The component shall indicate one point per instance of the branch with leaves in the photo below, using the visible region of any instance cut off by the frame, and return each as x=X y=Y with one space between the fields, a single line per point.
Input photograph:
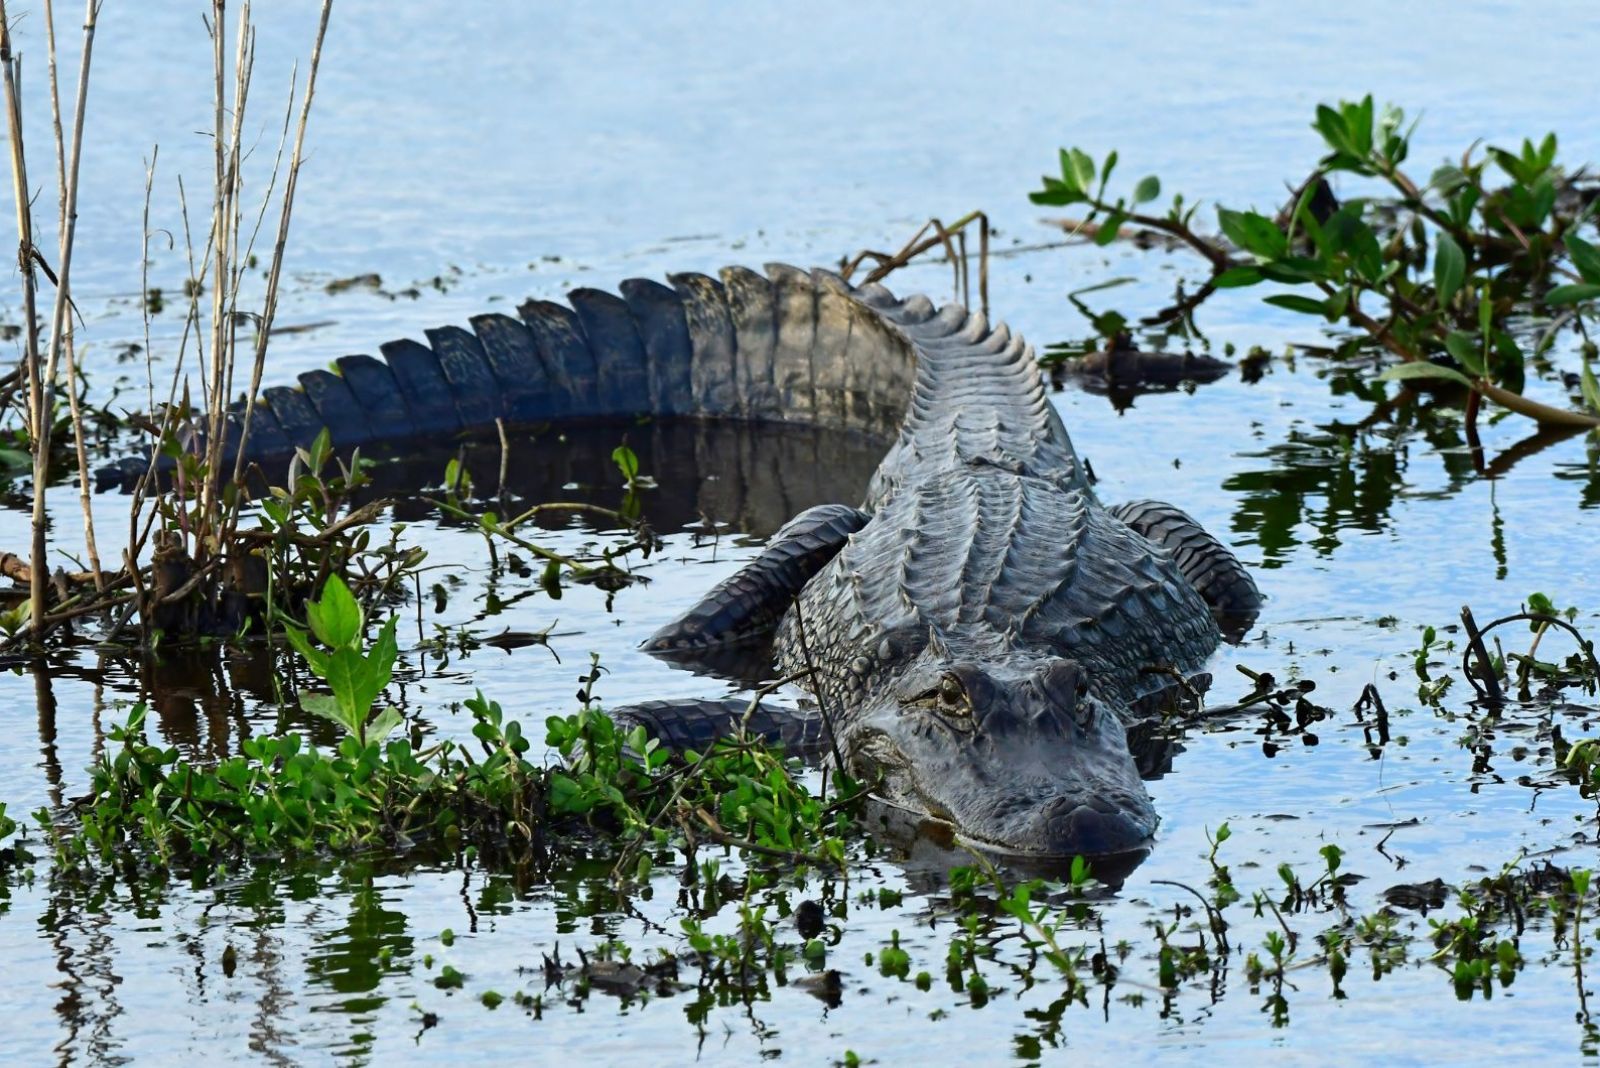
x=1441 y=274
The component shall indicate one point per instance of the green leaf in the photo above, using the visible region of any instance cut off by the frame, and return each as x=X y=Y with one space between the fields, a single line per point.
x=383 y=724
x=1069 y=173
x=1082 y=168
x=1447 y=179
x=1109 y=229
x=321 y=449
x=1148 y=189
x=1512 y=165
x=1358 y=121
x=1462 y=206
x=1547 y=150
x=327 y=707
x=1464 y=347
x=1449 y=268
x=1485 y=314
x=1507 y=364
x=627 y=462
x=1105 y=171
x=336 y=619
x=1298 y=304
x=1421 y=369
x=1330 y=124
x=1253 y=232
x=1235 y=277
x=1293 y=271
x=1591 y=388
x=314 y=656
x=1574 y=293
x=1585 y=257
x=1056 y=193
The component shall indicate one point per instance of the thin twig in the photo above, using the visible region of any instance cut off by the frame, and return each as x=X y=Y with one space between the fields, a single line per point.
x=269 y=307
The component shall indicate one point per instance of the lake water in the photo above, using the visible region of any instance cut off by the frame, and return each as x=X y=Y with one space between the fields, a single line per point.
x=513 y=151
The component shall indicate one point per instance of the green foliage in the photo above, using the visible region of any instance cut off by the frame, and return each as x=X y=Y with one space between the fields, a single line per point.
x=627 y=462
x=1436 y=272
x=281 y=796
x=356 y=677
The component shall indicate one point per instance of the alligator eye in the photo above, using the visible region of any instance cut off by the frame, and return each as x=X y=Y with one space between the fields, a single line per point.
x=953 y=696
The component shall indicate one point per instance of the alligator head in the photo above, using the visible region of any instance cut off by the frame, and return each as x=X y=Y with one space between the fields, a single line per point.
x=1014 y=751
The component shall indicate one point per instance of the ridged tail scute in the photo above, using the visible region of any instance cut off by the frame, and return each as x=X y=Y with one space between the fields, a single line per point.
x=788 y=346
x=1208 y=565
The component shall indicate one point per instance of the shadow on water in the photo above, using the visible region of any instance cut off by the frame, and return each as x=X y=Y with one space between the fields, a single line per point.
x=748 y=478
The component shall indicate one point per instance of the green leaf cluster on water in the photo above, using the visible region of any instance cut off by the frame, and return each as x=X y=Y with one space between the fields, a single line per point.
x=378 y=788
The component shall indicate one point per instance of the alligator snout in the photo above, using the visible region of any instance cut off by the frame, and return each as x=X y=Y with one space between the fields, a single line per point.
x=1092 y=827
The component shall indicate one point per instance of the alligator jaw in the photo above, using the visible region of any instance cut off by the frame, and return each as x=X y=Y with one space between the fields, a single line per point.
x=1010 y=761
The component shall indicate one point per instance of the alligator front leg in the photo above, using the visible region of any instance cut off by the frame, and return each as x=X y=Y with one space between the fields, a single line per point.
x=748 y=604
x=1208 y=565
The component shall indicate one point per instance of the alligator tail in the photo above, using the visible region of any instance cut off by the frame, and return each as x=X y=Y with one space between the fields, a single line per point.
x=792 y=346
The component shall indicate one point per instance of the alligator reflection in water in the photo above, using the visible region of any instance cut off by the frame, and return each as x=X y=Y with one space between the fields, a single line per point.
x=750 y=477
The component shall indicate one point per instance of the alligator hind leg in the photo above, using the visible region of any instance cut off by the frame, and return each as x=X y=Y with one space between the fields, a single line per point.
x=697 y=724
x=748 y=604
x=1210 y=566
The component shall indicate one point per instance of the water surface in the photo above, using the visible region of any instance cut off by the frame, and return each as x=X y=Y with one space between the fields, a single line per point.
x=486 y=154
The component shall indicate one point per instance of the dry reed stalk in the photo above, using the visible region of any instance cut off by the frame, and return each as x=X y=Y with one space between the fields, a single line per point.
x=67 y=191
x=269 y=307
x=41 y=382
x=26 y=254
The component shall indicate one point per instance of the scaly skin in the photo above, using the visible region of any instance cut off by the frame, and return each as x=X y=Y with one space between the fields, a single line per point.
x=975 y=642
x=976 y=634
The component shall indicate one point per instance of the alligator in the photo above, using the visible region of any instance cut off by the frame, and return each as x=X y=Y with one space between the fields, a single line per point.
x=976 y=637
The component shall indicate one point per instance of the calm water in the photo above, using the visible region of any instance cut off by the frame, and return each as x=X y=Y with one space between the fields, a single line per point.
x=515 y=150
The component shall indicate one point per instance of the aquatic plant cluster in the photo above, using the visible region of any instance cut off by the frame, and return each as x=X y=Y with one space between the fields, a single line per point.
x=769 y=866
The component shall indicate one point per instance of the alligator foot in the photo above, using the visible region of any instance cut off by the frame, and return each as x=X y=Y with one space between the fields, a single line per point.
x=1209 y=565
x=748 y=604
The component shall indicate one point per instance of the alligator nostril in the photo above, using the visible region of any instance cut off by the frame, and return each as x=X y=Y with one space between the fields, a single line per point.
x=1090 y=825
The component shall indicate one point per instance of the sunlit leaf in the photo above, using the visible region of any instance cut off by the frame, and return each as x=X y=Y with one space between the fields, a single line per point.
x=1574 y=293
x=1421 y=369
x=1585 y=257
x=1083 y=169
x=1449 y=268
x=336 y=619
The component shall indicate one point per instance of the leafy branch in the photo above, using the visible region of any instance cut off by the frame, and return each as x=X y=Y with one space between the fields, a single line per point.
x=1437 y=272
